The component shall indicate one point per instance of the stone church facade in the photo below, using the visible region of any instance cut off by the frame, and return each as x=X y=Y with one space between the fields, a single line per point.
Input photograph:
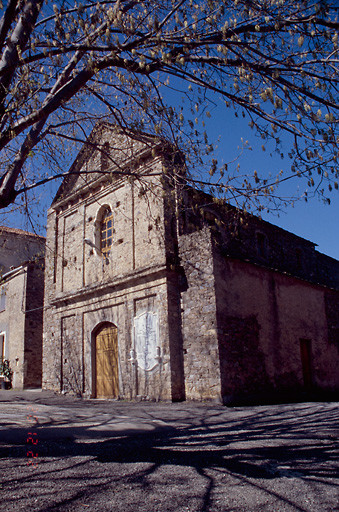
x=155 y=290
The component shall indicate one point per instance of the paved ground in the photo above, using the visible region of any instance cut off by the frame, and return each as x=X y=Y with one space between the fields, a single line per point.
x=147 y=457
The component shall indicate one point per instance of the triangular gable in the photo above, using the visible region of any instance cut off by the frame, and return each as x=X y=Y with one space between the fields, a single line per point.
x=118 y=148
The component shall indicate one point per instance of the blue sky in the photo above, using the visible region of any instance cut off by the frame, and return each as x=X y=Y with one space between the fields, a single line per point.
x=313 y=220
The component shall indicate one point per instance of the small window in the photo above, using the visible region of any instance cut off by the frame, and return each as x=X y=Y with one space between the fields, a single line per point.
x=262 y=245
x=3 y=299
x=106 y=232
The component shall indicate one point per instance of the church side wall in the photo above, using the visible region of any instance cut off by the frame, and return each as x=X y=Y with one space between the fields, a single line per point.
x=265 y=321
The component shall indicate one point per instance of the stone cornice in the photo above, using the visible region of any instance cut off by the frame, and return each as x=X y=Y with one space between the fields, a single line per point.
x=143 y=275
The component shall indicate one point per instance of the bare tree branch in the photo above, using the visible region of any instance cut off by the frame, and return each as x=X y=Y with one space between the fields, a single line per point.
x=274 y=62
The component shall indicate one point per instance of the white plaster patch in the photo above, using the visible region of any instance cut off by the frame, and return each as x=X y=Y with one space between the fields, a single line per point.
x=146 y=340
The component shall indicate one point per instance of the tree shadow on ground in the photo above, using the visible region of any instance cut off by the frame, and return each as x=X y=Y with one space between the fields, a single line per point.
x=268 y=443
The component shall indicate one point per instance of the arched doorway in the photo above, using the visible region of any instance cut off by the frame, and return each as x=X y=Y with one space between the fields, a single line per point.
x=106 y=361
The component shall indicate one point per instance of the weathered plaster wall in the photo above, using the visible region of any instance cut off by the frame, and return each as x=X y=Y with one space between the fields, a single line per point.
x=21 y=322
x=12 y=323
x=17 y=248
x=262 y=316
x=332 y=314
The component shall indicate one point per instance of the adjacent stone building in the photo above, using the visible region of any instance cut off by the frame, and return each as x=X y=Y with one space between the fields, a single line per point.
x=21 y=304
x=17 y=246
x=159 y=291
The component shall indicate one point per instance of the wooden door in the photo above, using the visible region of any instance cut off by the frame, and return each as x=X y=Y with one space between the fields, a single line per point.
x=106 y=354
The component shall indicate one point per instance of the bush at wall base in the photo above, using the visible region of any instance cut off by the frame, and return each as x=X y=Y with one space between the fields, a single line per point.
x=7 y=373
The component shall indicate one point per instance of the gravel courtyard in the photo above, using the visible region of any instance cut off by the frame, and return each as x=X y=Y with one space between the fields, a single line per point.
x=68 y=454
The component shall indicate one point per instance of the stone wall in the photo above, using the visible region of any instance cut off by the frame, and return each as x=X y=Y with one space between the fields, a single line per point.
x=34 y=324
x=208 y=302
x=138 y=235
x=83 y=290
x=21 y=324
x=198 y=308
x=69 y=339
x=17 y=247
x=262 y=317
x=12 y=325
x=246 y=237
x=264 y=305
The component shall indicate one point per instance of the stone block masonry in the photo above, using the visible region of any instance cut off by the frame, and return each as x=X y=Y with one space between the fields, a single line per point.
x=196 y=299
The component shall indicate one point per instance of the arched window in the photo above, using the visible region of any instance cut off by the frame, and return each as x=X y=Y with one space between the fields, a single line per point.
x=106 y=232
